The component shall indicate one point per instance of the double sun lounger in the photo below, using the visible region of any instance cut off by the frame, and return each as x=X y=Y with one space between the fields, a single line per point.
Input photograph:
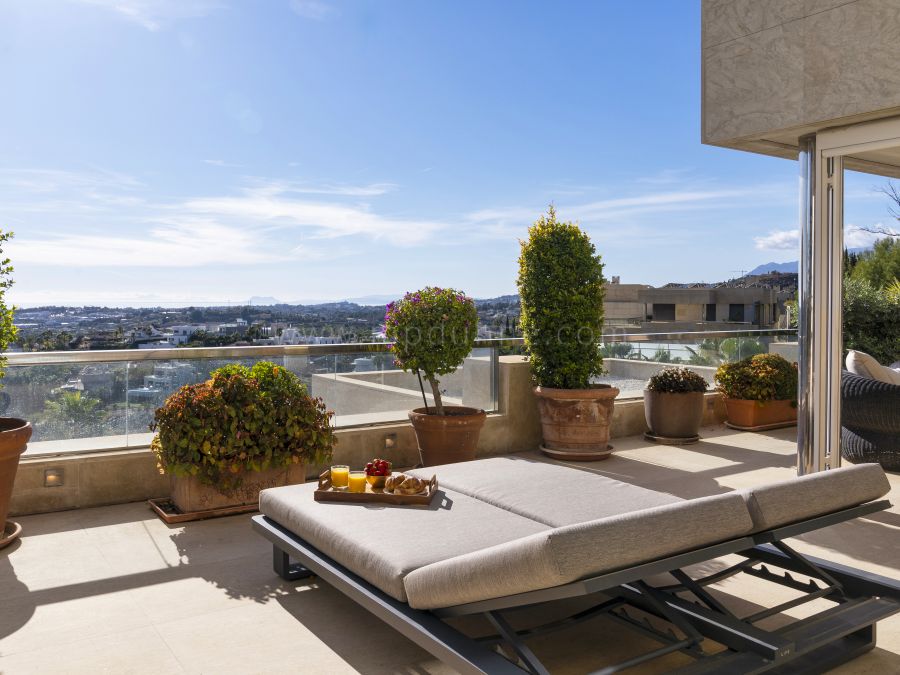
x=507 y=533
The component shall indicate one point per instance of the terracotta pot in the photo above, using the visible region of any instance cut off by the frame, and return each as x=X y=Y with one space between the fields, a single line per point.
x=190 y=495
x=576 y=422
x=450 y=438
x=749 y=414
x=14 y=436
x=673 y=415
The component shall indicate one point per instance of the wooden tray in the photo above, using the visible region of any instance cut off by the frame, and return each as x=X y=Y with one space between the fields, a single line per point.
x=326 y=493
x=763 y=427
x=172 y=515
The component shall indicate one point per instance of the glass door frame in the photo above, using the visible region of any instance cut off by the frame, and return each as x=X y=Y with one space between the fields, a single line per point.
x=823 y=157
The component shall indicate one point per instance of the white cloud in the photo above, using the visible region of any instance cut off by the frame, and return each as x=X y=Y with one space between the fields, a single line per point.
x=99 y=218
x=182 y=242
x=512 y=221
x=856 y=237
x=155 y=14
x=272 y=205
x=312 y=9
x=779 y=240
x=220 y=162
x=784 y=240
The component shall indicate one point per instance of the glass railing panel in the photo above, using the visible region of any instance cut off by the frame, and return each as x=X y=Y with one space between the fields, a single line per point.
x=631 y=359
x=367 y=388
x=71 y=406
x=89 y=401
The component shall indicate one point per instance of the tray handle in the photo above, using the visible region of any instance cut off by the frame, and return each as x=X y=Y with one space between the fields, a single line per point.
x=325 y=479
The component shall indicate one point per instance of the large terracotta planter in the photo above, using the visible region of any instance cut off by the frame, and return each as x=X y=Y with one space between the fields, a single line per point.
x=190 y=495
x=14 y=436
x=673 y=415
x=445 y=439
x=576 y=422
x=752 y=415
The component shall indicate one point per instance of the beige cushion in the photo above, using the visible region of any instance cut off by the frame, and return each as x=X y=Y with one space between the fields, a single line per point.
x=383 y=543
x=565 y=554
x=548 y=493
x=814 y=495
x=860 y=363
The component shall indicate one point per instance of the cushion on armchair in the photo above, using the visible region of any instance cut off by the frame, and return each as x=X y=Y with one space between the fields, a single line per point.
x=860 y=363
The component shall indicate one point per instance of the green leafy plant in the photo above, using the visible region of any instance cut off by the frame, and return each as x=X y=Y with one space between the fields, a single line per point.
x=433 y=331
x=8 y=330
x=762 y=377
x=677 y=381
x=561 y=292
x=241 y=419
x=872 y=320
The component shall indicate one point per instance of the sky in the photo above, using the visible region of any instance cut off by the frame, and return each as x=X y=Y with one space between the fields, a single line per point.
x=183 y=152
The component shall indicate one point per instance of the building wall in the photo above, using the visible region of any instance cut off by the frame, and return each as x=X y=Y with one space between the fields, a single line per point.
x=774 y=70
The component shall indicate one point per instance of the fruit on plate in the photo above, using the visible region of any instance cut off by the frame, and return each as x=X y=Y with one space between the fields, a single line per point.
x=378 y=467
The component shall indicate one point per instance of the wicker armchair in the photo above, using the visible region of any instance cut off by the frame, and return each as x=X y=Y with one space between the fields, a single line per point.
x=870 y=421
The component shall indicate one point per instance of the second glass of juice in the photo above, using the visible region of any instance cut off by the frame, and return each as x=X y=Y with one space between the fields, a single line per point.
x=357 y=481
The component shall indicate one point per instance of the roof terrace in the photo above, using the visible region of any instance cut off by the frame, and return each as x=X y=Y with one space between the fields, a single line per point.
x=115 y=589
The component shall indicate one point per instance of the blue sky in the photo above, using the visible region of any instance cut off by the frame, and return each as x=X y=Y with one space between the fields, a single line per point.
x=190 y=151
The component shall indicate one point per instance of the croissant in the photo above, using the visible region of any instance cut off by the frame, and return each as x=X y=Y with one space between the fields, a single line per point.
x=411 y=486
x=394 y=481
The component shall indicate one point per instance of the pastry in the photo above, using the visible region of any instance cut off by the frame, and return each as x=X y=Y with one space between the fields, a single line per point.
x=411 y=486
x=394 y=481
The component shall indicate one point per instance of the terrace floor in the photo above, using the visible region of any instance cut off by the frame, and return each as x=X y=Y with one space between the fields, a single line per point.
x=116 y=590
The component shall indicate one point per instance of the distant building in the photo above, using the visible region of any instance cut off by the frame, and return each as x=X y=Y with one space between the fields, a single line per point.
x=181 y=335
x=752 y=301
x=295 y=336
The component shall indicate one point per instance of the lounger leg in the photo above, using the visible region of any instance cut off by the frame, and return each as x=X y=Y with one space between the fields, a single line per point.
x=281 y=562
x=511 y=638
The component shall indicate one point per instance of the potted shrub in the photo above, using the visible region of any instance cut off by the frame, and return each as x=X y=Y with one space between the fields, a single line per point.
x=14 y=432
x=760 y=392
x=243 y=430
x=673 y=405
x=433 y=331
x=561 y=293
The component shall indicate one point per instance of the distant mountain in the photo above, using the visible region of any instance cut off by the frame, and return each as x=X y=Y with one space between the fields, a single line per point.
x=264 y=300
x=784 y=268
x=369 y=300
x=793 y=266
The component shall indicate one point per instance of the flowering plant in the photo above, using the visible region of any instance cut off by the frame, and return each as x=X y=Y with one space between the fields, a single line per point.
x=433 y=330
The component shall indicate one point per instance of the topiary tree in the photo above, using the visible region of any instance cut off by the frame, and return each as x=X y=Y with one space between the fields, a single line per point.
x=561 y=292
x=433 y=331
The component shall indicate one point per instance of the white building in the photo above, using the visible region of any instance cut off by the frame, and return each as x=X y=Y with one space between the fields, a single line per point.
x=295 y=336
x=181 y=335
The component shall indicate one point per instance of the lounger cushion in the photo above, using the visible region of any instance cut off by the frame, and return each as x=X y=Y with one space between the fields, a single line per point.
x=814 y=495
x=383 y=543
x=549 y=493
x=565 y=554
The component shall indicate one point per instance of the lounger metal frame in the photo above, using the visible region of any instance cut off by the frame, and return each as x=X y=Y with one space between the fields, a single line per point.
x=678 y=623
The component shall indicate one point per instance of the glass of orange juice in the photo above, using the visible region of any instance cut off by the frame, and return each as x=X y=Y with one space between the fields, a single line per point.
x=357 y=481
x=339 y=475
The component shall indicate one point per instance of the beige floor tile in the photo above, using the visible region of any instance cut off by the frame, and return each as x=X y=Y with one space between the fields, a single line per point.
x=140 y=651
x=38 y=562
x=201 y=589
x=116 y=590
x=34 y=621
